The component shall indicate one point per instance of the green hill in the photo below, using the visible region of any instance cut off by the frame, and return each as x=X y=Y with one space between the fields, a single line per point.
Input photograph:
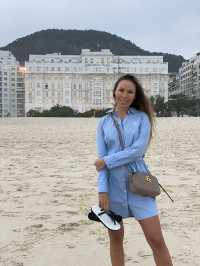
x=72 y=41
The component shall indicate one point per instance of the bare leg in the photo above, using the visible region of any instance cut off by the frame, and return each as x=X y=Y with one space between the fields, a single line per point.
x=152 y=231
x=116 y=246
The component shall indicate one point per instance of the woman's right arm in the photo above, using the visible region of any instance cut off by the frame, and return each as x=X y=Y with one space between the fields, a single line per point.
x=102 y=151
x=103 y=173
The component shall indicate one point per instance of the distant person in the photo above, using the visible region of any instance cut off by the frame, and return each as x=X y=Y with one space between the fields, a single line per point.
x=134 y=114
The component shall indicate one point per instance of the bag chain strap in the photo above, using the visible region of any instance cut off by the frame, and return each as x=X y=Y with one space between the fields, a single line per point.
x=122 y=141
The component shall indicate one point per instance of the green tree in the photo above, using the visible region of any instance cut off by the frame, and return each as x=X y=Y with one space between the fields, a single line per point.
x=33 y=113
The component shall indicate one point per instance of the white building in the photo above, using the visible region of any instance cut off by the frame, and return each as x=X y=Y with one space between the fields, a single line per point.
x=174 y=85
x=8 y=75
x=86 y=81
x=11 y=86
x=190 y=77
x=20 y=91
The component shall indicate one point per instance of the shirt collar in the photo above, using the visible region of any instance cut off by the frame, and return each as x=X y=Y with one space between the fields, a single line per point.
x=131 y=110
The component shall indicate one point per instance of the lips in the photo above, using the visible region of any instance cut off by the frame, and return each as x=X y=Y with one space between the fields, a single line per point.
x=124 y=102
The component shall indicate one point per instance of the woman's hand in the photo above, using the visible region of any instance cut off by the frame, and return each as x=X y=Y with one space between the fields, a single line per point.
x=100 y=164
x=103 y=200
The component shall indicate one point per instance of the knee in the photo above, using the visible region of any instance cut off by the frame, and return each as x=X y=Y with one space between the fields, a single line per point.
x=156 y=242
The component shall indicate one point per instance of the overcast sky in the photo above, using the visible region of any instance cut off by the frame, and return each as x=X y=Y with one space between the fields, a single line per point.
x=171 y=26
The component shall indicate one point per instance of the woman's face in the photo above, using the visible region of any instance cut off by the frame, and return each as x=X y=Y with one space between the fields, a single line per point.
x=125 y=94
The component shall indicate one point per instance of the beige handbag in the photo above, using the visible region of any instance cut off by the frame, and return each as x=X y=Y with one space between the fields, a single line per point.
x=143 y=183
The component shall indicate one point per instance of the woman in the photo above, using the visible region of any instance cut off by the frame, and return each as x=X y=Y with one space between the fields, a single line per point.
x=135 y=117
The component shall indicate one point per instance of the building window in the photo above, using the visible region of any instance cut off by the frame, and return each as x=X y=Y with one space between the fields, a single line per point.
x=97 y=93
x=97 y=101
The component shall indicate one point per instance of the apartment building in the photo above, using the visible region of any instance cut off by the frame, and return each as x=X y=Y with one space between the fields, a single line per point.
x=11 y=86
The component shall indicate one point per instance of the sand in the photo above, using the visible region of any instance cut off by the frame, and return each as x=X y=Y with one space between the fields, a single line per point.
x=48 y=181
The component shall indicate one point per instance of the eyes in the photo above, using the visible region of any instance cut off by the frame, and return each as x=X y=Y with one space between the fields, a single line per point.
x=129 y=91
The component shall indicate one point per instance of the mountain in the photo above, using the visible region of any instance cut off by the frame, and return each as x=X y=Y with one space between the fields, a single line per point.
x=72 y=41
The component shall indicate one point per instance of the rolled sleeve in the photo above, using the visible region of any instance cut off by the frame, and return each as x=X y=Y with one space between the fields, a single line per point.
x=102 y=151
x=136 y=150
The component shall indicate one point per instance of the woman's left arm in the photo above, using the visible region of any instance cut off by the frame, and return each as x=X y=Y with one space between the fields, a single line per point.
x=137 y=149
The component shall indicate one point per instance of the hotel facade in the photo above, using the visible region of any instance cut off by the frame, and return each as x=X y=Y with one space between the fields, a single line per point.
x=85 y=81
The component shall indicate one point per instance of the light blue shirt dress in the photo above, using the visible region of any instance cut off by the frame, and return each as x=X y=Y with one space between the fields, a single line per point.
x=113 y=178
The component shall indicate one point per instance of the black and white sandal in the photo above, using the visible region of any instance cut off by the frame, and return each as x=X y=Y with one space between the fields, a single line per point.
x=108 y=218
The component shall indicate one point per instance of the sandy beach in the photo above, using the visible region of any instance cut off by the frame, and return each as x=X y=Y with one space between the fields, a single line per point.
x=48 y=181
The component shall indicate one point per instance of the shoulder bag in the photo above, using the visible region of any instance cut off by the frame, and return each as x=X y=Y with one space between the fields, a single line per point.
x=143 y=183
